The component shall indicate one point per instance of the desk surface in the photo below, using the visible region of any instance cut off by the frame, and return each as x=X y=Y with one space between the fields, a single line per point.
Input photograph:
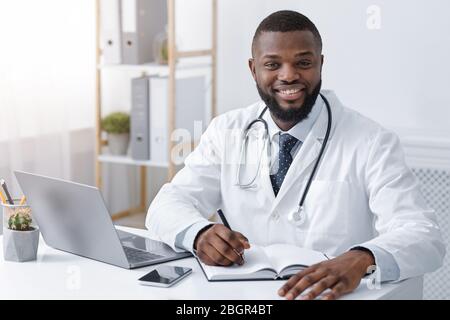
x=60 y=275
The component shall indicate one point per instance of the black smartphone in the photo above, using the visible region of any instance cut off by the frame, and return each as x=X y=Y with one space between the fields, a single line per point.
x=165 y=276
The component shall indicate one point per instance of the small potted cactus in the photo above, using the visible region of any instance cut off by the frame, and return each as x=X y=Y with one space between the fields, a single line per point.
x=20 y=236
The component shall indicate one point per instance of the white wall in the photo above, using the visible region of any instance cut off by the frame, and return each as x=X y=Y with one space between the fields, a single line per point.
x=399 y=75
x=47 y=62
x=193 y=24
x=47 y=73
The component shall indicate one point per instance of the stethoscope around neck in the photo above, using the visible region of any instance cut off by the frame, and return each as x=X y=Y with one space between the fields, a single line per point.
x=298 y=216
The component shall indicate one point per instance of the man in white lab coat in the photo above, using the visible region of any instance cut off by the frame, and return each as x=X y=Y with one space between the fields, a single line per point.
x=363 y=207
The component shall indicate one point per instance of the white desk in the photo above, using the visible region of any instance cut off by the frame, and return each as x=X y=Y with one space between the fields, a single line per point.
x=59 y=275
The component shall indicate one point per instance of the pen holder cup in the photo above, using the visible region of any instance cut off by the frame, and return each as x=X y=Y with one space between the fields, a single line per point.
x=20 y=233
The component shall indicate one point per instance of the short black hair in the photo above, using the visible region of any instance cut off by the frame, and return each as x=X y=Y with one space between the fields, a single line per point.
x=285 y=21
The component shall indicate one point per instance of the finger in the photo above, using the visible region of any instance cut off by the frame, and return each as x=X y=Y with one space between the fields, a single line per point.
x=216 y=256
x=336 y=291
x=319 y=287
x=205 y=245
x=205 y=258
x=223 y=248
x=305 y=282
x=231 y=238
x=243 y=240
x=293 y=280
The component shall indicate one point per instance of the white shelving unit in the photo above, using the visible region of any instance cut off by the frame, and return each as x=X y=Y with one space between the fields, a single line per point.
x=173 y=70
x=154 y=68
x=107 y=158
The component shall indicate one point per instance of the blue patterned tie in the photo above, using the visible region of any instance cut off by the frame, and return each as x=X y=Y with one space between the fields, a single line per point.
x=287 y=142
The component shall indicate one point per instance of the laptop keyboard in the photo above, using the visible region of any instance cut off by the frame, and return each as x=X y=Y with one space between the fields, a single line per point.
x=136 y=256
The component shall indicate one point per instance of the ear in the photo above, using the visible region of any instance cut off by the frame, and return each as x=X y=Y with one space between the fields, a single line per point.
x=251 y=65
x=321 y=63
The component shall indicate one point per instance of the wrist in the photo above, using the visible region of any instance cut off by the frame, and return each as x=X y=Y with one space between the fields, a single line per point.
x=366 y=258
x=199 y=233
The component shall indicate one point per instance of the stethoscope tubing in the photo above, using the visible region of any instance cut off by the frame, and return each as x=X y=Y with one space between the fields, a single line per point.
x=266 y=128
x=322 y=150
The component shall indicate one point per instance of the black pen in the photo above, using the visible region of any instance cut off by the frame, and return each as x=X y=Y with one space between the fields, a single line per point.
x=224 y=220
x=226 y=224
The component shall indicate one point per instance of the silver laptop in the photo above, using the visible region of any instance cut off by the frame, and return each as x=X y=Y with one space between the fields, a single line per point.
x=73 y=217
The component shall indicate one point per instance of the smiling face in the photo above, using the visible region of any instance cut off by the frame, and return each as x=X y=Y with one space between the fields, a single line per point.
x=287 y=69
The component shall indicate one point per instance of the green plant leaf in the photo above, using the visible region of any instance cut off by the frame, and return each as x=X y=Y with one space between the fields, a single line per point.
x=116 y=122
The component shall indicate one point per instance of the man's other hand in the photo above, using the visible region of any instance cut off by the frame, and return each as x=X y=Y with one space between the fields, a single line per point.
x=338 y=276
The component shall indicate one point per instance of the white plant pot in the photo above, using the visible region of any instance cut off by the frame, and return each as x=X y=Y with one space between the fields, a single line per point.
x=118 y=143
x=20 y=246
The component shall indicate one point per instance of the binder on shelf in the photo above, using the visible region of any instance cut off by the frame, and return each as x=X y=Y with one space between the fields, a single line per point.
x=140 y=117
x=142 y=20
x=111 y=32
x=190 y=106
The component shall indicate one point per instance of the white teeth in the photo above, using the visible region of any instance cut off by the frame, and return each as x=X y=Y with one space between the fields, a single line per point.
x=290 y=91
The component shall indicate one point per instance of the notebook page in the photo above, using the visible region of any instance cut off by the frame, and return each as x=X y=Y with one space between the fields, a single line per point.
x=284 y=255
x=255 y=259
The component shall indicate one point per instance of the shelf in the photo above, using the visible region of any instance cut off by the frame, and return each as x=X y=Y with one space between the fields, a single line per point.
x=128 y=160
x=155 y=68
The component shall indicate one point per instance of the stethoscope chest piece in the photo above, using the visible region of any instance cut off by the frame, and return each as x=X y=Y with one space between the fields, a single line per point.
x=298 y=216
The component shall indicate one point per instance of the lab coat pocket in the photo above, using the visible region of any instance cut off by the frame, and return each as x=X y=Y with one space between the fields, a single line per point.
x=327 y=208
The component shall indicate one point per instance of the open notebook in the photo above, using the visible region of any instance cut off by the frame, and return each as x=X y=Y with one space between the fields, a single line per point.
x=277 y=261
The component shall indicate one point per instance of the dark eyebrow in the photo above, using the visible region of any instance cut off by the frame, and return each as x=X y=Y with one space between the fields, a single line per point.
x=270 y=56
x=275 y=56
x=305 y=53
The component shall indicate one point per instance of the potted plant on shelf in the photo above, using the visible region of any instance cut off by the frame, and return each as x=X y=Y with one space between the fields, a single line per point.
x=20 y=237
x=161 y=47
x=117 y=125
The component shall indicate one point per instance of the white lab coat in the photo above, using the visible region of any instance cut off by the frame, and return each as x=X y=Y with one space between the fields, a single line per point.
x=363 y=192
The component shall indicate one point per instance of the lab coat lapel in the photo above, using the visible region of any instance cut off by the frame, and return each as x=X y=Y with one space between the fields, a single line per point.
x=301 y=165
x=267 y=183
x=304 y=161
x=265 y=179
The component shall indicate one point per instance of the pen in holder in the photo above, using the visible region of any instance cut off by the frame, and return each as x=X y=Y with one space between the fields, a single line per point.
x=20 y=233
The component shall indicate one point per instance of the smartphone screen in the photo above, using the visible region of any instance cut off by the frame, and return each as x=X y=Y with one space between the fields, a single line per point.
x=165 y=276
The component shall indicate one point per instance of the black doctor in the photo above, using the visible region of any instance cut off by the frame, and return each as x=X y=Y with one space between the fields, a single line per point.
x=286 y=65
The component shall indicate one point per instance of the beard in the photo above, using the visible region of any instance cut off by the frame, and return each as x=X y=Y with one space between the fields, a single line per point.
x=294 y=114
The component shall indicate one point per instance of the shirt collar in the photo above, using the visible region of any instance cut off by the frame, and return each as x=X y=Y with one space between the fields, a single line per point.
x=301 y=129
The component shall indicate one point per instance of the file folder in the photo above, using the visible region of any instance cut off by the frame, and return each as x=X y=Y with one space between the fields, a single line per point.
x=190 y=106
x=111 y=33
x=142 y=21
x=140 y=144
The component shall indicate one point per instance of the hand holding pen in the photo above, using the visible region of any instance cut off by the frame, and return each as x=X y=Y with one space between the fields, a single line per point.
x=218 y=245
x=226 y=224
